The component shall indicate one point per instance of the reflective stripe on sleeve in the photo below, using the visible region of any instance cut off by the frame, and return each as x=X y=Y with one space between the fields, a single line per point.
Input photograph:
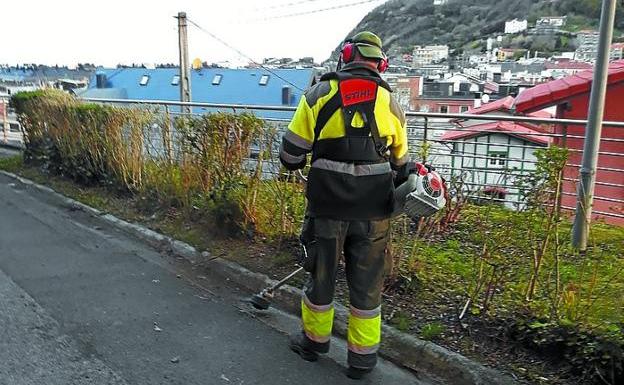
x=352 y=169
x=289 y=158
x=297 y=140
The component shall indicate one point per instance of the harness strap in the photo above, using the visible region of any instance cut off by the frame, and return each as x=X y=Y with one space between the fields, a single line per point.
x=349 y=101
x=380 y=146
x=326 y=112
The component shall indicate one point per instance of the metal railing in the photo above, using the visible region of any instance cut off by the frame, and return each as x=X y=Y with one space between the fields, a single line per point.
x=487 y=160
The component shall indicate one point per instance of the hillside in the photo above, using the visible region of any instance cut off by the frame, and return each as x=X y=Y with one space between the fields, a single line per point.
x=465 y=24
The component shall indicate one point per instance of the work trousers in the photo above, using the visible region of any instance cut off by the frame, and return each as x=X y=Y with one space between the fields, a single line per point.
x=364 y=246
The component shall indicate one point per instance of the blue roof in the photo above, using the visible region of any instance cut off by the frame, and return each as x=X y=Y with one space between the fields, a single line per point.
x=237 y=86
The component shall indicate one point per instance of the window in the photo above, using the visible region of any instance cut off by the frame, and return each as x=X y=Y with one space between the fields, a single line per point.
x=444 y=109
x=217 y=79
x=144 y=80
x=14 y=127
x=176 y=80
x=264 y=79
x=497 y=159
x=463 y=109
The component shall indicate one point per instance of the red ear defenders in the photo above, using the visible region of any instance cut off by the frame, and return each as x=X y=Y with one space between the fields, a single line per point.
x=348 y=54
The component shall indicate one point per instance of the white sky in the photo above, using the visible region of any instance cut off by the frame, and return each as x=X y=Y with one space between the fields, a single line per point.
x=143 y=31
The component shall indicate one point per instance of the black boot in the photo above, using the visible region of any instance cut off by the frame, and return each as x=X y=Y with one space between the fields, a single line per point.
x=358 y=373
x=298 y=344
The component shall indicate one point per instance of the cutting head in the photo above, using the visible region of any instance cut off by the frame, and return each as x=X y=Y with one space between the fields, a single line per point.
x=260 y=302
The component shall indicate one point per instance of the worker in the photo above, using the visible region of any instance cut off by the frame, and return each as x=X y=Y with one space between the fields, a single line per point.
x=355 y=132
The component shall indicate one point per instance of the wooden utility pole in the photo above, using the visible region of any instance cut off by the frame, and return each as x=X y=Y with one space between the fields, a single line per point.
x=185 y=69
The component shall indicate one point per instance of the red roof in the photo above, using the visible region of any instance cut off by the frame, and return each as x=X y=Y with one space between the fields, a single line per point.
x=501 y=104
x=541 y=114
x=553 y=92
x=568 y=65
x=505 y=105
x=510 y=128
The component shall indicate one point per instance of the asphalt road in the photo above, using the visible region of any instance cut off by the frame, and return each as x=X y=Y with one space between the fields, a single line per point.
x=83 y=303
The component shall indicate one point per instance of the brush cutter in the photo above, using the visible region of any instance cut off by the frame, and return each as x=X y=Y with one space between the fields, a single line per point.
x=422 y=195
x=262 y=300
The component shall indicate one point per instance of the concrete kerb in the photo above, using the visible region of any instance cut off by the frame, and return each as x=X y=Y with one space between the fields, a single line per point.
x=400 y=348
x=12 y=146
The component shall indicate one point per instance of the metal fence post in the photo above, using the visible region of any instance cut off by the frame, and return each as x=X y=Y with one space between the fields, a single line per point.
x=5 y=123
x=425 y=149
x=167 y=136
x=564 y=144
x=593 y=130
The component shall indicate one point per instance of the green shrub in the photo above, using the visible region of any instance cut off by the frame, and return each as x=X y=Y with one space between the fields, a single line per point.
x=197 y=164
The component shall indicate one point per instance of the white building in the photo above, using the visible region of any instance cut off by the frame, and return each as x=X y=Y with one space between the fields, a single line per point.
x=551 y=22
x=439 y=2
x=429 y=54
x=516 y=26
x=491 y=163
x=490 y=156
x=587 y=45
x=617 y=51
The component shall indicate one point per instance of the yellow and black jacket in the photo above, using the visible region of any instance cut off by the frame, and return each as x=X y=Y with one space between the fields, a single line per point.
x=356 y=133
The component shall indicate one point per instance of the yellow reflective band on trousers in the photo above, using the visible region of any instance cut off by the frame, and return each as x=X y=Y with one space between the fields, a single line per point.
x=317 y=321
x=364 y=333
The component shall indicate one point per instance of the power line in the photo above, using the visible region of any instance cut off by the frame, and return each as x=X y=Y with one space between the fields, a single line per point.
x=314 y=11
x=241 y=53
x=278 y=6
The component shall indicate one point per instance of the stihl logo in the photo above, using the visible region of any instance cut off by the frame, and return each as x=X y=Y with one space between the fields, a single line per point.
x=359 y=95
x=355 y=91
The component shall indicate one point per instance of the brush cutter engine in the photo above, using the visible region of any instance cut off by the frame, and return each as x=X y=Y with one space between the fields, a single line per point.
x=422 y=195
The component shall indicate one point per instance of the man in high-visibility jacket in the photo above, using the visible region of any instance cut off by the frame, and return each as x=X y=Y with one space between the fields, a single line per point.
x=355 y=131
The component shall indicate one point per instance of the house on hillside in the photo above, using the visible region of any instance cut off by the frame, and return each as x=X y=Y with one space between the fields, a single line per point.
x=516 y=26
x=564 y=67
x=570 y=97
x=491 y=156
x=406 y=88
x=587 y=49
x=617 y=51
x=278 y=87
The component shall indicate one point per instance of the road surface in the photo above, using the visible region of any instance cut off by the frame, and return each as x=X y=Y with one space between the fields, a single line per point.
x=83 y=303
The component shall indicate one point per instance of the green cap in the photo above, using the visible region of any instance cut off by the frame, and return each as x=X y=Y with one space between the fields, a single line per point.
x=369 y=45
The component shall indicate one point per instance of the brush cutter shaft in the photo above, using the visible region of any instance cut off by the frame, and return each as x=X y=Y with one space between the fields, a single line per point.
x=284 y=280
